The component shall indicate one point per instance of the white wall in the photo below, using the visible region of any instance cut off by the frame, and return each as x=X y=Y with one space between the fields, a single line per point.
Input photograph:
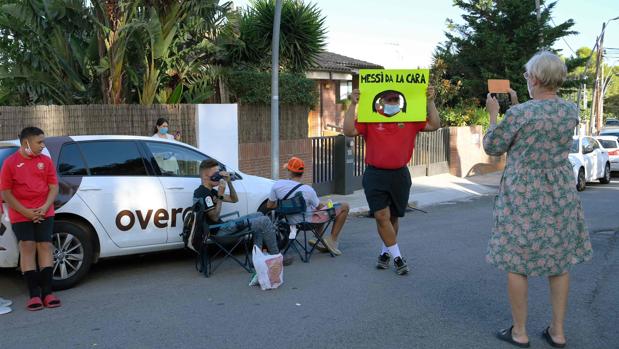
x=217 y=132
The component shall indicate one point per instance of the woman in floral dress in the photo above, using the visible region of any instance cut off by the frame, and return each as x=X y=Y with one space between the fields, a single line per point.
x=539 y=227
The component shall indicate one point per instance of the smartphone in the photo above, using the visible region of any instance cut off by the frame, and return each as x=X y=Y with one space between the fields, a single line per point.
x=177 y=135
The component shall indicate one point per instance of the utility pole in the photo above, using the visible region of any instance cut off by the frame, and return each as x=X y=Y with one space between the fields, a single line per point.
x=275 y=92
x=596 y=116
x=539 y=23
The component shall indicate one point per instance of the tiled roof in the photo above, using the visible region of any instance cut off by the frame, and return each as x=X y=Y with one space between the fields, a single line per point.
x=332 y=62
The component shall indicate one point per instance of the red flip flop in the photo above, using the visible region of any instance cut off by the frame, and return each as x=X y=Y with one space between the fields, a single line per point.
x=51 y=301
x=34 y=304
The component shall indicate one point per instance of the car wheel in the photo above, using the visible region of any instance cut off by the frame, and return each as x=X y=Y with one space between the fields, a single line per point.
x=606 y=178
x=73 y=254
x=581 y=182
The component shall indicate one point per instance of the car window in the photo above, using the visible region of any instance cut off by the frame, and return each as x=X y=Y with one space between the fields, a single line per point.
x=70 y=161
x=5 y=152
x=607 y=144
x=594 y=143
x=113 y=158
x=584 y=144
x=176 y=161
x=574 y=148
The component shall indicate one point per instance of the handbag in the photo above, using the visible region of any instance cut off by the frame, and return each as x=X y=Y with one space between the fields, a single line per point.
x=295 y=205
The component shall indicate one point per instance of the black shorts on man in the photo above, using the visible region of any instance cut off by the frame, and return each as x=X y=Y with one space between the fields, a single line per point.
x=387 y=188
x=30 y=231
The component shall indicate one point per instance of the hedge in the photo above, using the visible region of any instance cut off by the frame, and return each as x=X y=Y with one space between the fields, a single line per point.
x=254 y=87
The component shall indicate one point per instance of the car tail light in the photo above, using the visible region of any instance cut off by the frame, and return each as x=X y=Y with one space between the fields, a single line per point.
x=614 y=152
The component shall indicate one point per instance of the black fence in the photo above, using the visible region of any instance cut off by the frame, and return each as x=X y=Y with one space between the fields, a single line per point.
x=339 y=162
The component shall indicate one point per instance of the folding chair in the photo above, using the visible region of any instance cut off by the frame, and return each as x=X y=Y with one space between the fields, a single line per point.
x=289 y=208
x=200 y=236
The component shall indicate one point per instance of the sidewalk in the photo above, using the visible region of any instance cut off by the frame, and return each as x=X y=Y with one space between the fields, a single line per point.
x=428 y=191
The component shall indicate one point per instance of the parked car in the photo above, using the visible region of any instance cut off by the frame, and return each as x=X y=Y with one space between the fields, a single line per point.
x=611 y=123
x=589 y=161
x=611 y=131
x=121 y=195
x=611 y=145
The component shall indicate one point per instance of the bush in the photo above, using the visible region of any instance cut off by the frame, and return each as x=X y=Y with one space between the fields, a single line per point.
x=254 y=87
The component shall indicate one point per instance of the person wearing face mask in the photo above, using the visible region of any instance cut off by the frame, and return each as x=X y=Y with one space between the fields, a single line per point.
x=390 y=105
x=539 y=227
x=162 y=129
x=386 y=180
x=29 y=186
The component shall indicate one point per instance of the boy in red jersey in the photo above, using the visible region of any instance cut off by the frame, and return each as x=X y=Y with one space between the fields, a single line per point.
x=29 y=186
x=386 y=180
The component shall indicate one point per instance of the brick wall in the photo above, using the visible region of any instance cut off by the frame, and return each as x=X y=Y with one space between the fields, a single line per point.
x=255 y=158
x=466 y=153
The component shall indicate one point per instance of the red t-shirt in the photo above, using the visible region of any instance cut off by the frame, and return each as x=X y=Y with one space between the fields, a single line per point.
x=389 y=145
x=28 y=180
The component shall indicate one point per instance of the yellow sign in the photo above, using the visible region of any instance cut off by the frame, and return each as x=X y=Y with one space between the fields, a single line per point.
x=389 y=95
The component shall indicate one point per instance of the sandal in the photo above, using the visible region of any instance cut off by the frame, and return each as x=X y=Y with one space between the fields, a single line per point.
x=548 y=338
x=506 y=335
x=34 y=304
x=51 y=301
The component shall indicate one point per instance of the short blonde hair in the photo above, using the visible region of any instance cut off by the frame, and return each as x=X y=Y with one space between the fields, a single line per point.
x=548 y=69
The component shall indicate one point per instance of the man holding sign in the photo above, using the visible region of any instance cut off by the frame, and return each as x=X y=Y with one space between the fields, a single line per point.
x=394 y=105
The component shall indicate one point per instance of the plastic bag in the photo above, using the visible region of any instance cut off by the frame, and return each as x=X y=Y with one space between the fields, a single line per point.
x=269 y=268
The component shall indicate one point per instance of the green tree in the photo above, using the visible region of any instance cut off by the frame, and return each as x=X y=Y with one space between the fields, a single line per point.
x=302 y=37
x=47 y=53
x=495 y=41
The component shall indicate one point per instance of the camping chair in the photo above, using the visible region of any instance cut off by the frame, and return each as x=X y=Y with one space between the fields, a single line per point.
x=200 y=236
x=286 y=214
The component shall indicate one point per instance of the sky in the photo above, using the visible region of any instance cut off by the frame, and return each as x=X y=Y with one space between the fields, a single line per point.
x=404 y=33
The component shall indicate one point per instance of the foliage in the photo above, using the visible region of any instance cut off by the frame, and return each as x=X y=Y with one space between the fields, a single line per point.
x=47 y=52
x=467 y=113
x=494 y=42
x=302 y=35
x=254 y=87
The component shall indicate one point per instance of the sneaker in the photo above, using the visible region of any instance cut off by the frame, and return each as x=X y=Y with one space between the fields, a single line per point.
x=5 y=302
x=319 y=246
x=383 y=261
x=288 y=259
x=400 y=266
x=5 y=310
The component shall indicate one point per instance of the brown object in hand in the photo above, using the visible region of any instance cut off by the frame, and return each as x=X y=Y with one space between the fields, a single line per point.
x=498 y=86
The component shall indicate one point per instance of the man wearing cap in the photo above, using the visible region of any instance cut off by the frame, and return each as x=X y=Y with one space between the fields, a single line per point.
x=387 y=181
x=287 y=187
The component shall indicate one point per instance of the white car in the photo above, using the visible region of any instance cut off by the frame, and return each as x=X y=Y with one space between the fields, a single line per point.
x=611 y=145
x=121 y=195
x=589 y=161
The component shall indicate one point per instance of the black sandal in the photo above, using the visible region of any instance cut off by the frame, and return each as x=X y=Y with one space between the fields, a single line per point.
x=506 y=335
x=548 y=338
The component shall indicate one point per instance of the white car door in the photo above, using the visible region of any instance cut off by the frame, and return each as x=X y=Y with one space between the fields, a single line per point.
x=128 y=203
x=590 y=159
x=600 y=158
x=179 y=166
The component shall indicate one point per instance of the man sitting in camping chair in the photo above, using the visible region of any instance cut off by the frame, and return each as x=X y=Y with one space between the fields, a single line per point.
x=263 y=230
x=318 y=214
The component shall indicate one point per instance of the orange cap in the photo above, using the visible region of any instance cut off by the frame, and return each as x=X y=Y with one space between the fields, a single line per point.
x=295 y=165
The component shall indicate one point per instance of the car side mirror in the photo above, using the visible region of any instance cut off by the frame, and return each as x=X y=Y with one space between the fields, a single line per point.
x=587 y=149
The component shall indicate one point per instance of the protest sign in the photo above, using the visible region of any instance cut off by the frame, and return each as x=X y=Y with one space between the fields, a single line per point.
x=378 y=85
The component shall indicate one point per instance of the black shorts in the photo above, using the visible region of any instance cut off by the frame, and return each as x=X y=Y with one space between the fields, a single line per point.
x=30 y=231
x=387 y=188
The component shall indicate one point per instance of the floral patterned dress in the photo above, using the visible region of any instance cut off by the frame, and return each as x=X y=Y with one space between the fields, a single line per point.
x=539 y=226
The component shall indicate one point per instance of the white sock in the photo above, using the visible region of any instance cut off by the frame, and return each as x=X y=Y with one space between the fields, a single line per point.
x=384 y=250
x=394 y=251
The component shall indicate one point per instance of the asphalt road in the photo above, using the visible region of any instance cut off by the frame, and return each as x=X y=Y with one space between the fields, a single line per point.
x=452 y=298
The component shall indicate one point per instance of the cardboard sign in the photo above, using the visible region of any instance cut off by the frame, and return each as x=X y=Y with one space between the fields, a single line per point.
x=498 y=86
x=407 y=86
